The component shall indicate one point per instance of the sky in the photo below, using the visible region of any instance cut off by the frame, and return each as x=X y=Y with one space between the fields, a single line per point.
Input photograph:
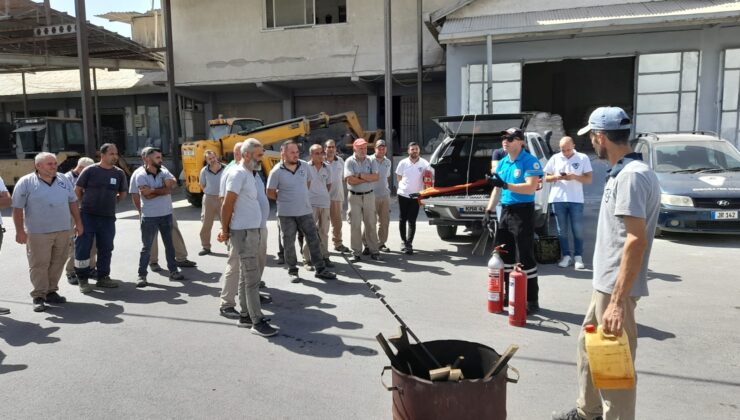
x=98 y=7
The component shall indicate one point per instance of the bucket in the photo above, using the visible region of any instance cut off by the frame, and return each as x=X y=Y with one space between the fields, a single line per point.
x=415 y=396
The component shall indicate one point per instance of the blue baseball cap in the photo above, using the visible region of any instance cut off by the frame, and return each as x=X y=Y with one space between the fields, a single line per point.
x=607 y=118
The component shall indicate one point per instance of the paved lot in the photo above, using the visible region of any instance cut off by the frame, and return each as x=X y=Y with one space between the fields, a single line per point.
x=164 y=352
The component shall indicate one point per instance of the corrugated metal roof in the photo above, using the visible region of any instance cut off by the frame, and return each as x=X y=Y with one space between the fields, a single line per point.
x=52 y=82
x=580 y=18
x=125 y=17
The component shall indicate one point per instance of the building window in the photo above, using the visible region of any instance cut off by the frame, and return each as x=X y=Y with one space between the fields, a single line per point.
x=288 y=13
x=730 y=129
x=507 y=88
x=666 y=92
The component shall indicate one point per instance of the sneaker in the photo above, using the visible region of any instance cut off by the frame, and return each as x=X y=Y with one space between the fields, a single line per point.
x=565 y=261
x=375 y=257
x=38 y=304
x=341 y=248
x=72 y=279
x=105 y=281
x=264 y=329
x=308 y=266
x=229 y=313
x=325 y=275
x=384 y=248
x=328 y=263
x=55 y=298
x=141 y=282
x=177 y=276
x=262 y=284
x=355 y=258
x=403 y=248
x=85 y=287
x=366 y=251
x=265 y=298
x=569 y=415
x=186 y=263
x=578 y=263
x=533 y=308
x=280 y=260
x=155 y=267
x=204 y=251
x=4 y=311
x=294 y=278
x=244 y=320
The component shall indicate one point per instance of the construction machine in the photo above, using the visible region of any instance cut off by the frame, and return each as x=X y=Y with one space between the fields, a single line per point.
x=306 y=130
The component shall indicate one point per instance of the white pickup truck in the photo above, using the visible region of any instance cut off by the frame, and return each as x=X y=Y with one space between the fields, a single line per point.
x=464 y=156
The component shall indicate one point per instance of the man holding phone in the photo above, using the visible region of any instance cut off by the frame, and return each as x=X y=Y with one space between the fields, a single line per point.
x=568 y=171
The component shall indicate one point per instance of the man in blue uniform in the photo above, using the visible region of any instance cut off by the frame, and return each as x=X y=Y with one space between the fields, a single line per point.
x=517 y=176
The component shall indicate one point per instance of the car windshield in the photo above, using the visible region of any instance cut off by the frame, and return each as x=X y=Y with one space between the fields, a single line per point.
x=710 y=156
x=218 y=131
x=245 y=125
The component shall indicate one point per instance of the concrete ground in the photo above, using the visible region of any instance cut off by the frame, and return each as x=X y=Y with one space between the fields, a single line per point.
x=164 y=351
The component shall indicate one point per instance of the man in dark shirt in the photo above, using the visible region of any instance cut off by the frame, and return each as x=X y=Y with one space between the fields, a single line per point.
x=99 y=188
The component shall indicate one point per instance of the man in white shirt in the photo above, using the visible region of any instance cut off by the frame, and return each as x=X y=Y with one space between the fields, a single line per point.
x=319 y=190
x=337 y=195
x=568 y=171
x=409 y=174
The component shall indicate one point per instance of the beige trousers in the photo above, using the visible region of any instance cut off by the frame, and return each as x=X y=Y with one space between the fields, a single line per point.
x=592 y=402
x=383 y=210
x=181 y=253
x=362 y=212
x=321 y=217
x=335 y=214
x=230 y=288
x=70 y=267
x=209 y=212
x=46 y=254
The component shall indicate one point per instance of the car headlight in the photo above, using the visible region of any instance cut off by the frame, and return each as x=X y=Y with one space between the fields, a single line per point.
x=676 y=200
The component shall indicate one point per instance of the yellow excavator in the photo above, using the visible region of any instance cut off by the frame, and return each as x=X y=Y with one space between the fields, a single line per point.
x=306 y=130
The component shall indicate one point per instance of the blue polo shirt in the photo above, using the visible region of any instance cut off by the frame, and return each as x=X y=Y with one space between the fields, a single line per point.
x=515 y=173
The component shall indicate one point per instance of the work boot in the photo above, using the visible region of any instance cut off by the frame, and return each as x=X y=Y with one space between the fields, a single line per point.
x=186 y=263
x=38 y=304
x=85 y=288
x=105 y=281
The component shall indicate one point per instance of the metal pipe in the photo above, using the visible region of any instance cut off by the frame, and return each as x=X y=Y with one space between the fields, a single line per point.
x=25 y=97
x=169 y=61
x=489 y=61
x=419 y=76
x=388 y=79
x=82 y=54
x=47 y=12
x=98 y=132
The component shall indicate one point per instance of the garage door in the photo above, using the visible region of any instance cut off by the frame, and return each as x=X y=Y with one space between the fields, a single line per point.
x=666 y=92
x=507 y=88
x=730 y=96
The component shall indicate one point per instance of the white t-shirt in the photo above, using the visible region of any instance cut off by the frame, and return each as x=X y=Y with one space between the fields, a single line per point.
x=412 y=176
x=247 y=211
x=567 y=191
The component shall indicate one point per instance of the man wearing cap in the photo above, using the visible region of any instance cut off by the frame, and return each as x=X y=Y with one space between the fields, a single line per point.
x=517 y=175
x=337 y=195
x=568 y=171
x=288 y=184
x=152 y=184
x=410 y=177
x=624 y=237
x=382 y=195
x=361 y=174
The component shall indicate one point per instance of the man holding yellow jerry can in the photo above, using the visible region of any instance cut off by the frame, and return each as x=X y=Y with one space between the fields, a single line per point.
x=624 y=237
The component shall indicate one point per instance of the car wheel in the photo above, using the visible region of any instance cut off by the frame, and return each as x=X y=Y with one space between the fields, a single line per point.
x=194 y=199
x=446 y=232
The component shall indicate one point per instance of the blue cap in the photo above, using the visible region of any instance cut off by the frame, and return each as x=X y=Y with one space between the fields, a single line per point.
x=607 y=118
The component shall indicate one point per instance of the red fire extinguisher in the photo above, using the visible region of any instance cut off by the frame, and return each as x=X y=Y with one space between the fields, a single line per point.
x=496 y=281
x=518 y=297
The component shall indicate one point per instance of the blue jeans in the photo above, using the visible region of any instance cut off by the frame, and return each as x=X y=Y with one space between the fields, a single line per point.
x=149 y=228
x=102 y=230
x=569 y=214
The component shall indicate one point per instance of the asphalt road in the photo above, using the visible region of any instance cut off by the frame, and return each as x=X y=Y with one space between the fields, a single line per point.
x=164 y=352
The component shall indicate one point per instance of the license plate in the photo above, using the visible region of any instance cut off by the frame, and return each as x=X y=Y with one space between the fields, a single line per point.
x=724 y=215
x=473 y=209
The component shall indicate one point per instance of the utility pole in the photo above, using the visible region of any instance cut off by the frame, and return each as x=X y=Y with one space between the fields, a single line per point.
x=419 y=76
x=82 y=53
x=171 y=100
x=388 y=79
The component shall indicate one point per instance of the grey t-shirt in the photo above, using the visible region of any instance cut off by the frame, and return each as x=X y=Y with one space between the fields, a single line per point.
x=384 y=171
x=45 y=206
x=247 y=212
x=337 y=179
x=209 y=181
x=157 y=206
x=101 y=187
x=631 y=190
x=318 y=190
x=292 y=200
x=354 y=167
